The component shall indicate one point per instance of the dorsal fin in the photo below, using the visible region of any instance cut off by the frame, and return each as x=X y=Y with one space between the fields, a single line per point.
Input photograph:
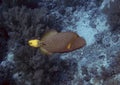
x=49 y=33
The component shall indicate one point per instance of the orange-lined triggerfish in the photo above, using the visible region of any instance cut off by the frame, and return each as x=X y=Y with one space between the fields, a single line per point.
x=58 y=42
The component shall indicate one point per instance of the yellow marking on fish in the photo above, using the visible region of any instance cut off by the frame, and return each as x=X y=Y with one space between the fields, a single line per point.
x=39 y=43
x=34 y=43
x=69 y=46
x=71 y=42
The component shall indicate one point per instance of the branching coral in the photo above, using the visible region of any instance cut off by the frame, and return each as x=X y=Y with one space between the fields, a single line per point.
x=23 y=24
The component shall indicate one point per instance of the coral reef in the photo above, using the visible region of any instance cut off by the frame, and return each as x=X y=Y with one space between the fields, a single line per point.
x=95 y=64
x=23 y=24
x=28 y=3
x=6 y=75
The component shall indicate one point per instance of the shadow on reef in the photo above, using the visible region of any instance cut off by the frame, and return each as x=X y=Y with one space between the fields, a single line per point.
x=113 y=15
x=0 y=2
x=28 y=3
x=3 y=42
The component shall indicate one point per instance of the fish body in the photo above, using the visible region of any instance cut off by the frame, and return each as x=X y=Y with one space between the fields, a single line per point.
x=54 y=42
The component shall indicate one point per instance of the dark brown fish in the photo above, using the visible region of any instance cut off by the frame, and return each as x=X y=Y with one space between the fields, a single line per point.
x=54 y=42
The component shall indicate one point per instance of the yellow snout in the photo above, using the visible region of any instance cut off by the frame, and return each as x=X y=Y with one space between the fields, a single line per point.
x=34 y=43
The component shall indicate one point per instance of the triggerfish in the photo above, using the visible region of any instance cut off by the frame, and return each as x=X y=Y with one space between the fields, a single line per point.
x=58 y=42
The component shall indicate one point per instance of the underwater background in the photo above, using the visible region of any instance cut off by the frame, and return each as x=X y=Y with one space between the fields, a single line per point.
x=97 y=21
